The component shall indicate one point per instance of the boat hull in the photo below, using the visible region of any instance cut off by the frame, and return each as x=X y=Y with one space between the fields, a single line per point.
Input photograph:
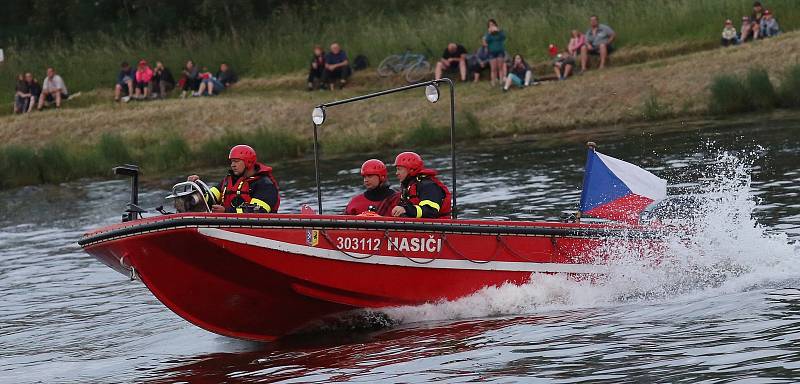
x=258 y=278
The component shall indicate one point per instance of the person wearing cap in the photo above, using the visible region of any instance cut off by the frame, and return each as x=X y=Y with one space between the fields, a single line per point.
x=379 y=197
x=249 y=186
x=729 y=34
x=144 y=75
x=769 y=26
x=422 y=194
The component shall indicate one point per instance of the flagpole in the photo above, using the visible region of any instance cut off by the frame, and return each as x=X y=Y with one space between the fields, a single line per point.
x=592 y=147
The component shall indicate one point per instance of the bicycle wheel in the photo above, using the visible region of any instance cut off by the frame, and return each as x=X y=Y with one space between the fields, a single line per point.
x=390 y=65
x=418 y=71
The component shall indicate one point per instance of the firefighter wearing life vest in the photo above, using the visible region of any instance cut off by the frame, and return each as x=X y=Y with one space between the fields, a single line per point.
x=379 y=198
x=422 y=194
x=249 y=186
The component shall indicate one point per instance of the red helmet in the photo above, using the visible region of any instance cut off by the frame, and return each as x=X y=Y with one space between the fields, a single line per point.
x=373 y=167
x=410 y=160
x=244 y=153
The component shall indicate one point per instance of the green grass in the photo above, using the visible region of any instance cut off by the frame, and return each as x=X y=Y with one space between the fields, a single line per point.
x=728 y=95
x=789 y=90
x=654 y=109
x=282 y=44
x=754 y=92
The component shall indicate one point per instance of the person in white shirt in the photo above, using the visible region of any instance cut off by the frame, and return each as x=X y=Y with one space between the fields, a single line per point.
x=53 y=89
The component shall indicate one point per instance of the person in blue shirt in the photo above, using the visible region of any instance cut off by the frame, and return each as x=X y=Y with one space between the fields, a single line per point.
x=337 y=67
x=125 y=79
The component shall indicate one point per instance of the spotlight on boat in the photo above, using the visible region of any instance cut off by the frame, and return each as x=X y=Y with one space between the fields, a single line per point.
x=318 y=115
x=432 y=93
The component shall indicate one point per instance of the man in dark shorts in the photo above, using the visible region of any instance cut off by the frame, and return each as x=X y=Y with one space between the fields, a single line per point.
x=337 y=67
x=599 y=40
x=454 y=60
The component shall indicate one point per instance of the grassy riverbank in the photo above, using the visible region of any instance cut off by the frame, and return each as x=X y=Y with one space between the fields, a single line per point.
x=91 y=134
x=281 y=44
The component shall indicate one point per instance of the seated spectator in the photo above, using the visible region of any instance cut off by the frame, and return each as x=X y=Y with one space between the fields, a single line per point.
x=337 y=67
x=203 y=77
x=53 y=89
x=144 y=77
x=189 y=81
x=479 y=61
x=213 y=85
x=563 y=65
x=729 y=34
x=316 y=68
x=769 y=26
x=22 y=95
x=746 y=33
x=599 y=40
x=755 y=20
x=163 y=80
x=125 y=79
x=454 y=60
x=576 y=42
x=34 y=88
x=519 y=73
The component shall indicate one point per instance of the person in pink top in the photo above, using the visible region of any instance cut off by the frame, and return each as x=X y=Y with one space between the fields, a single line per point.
x=577 y=41
x=144 y=76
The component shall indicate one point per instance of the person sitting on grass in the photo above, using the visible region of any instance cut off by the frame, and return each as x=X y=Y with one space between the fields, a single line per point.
x=479 y=61
x=213 y=85
x=563 y=65
x=755 y=20
x=337 y=67
x=599 y=40
x=163 y=80
x=316 y=68
x=189 y=81
x=729 y=34
x=495 y=40
x=125 y=79
x=33 y=88
x=746 y=32
x=53 y=90
x=769 y=26
x=22 y=95
x=454 y=60
x=519 y=73
x=144 y=77
x=576 y=42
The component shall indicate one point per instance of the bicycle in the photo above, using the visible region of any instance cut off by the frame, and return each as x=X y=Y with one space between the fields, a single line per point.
x=414 y=66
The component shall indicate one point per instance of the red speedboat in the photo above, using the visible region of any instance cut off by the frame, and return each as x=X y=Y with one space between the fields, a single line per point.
x=261 y=276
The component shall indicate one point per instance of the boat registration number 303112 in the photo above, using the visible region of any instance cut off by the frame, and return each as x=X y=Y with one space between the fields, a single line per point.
x=402 y=244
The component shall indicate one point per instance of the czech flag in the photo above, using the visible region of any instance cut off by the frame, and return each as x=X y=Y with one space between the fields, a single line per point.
x=617 y=190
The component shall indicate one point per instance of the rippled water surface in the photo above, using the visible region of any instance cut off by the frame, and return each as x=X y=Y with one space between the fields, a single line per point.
x=727 y=310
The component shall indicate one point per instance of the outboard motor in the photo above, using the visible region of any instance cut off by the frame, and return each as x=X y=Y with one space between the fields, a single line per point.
x=190 y=196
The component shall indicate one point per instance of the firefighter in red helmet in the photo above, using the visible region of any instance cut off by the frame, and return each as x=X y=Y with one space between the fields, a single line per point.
x=422 y=194
x=248 y=187
x=379 y=197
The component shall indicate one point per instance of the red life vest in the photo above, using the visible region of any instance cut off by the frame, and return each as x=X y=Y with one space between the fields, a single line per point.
x=361 y=204
x=241 y=187
x=410 y=193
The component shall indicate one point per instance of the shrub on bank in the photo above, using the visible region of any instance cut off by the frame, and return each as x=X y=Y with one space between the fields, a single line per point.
x=789 y=90
x=728 y=95
x=754 y=92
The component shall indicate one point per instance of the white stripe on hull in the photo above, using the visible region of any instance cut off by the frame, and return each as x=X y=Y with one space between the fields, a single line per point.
x=401 y=261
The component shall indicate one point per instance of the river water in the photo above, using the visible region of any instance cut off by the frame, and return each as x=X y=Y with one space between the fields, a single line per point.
x=727 y=310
